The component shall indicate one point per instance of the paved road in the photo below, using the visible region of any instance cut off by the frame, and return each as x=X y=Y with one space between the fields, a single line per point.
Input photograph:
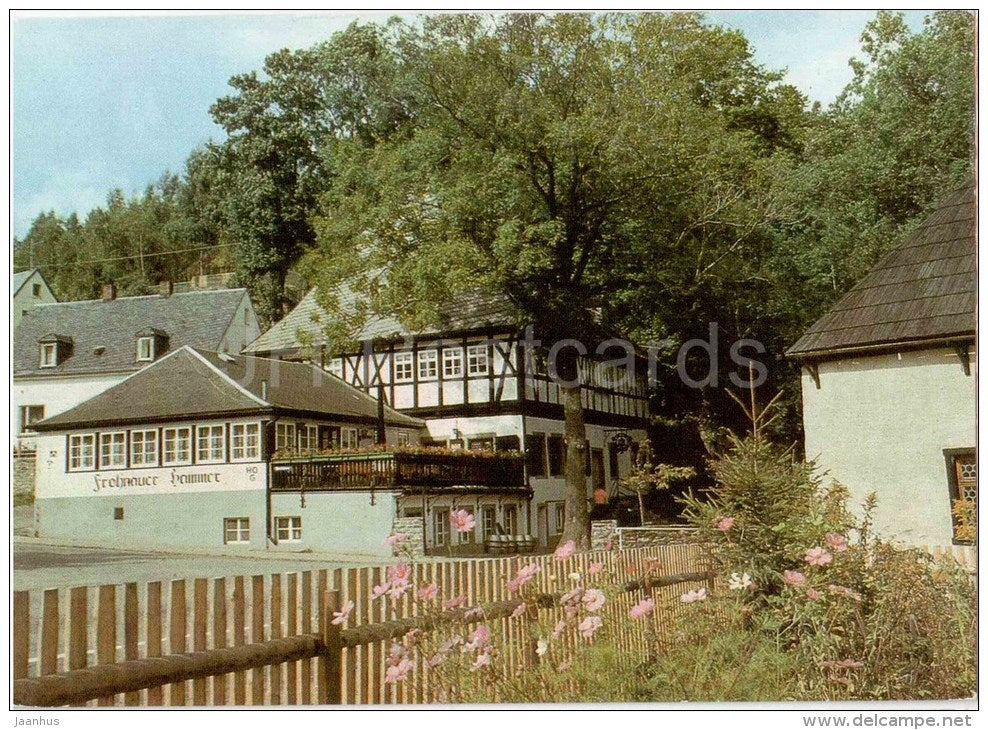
x=38 y=566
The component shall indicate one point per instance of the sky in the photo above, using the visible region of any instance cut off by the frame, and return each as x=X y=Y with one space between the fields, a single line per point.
x=113 y=102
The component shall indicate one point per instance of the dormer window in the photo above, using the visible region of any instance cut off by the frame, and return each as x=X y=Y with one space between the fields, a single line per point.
x=49 y=354
x=151 y=344
x=55 y=349
x=145 y=349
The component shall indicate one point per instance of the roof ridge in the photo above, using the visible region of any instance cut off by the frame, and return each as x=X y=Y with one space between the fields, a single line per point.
x=226 y=377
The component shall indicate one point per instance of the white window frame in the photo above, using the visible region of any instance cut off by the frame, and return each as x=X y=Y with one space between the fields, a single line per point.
x=239 y=527
x=176 y=434
x=308 y=437
x=106 y=443
x=453 y=362
x=512 y=509
x=241 y=437
x=207 y=456
x=143 y=356
x=26 y=420
x=349 y=437
x=440 y=527
x=79 y=441
x=466 y=538
x=404 y=438
x=428 y=365
x=477 y=361
x=491 y=511
x=288 y=528
x=144 y=457
x=404 y=363
x=285 y=438
x=49 y=354
x=559 y=516
x=336 y=367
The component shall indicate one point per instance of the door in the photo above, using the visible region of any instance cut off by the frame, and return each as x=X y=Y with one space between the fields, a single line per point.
x=597 y=468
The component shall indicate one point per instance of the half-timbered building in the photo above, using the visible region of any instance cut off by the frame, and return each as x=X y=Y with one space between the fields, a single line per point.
x=480 y=383
x=205 y=449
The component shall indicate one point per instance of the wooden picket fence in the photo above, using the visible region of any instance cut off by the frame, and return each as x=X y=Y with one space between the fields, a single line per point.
x=267 y=640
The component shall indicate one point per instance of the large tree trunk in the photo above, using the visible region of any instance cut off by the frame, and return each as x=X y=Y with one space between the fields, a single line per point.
x=577 y=526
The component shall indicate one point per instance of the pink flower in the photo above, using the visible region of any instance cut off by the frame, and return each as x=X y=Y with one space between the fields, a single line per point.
x=461 y=520
x=588 y=627
x=558 y=631
x=473 y=613
x=836 y=542
x=609 y=544
x=483 y=660
x=398 y=589
x=341 y=616
x=378 y=591
x=694 y=596
x=479 y=639
x=401 y=571
x=396 y=653
x=725 y=524
x=435 y=660
x=455 y=602
x=818 y=556
x=524 y=575
x=398 y=672
x=520 y=611
x=643 y=608
x=395 y=538
x=595 y=568
x=593 y=599
x=571 y=597
x=813 y=595
x=793 y=578
x=565 y=550
x=428 y=591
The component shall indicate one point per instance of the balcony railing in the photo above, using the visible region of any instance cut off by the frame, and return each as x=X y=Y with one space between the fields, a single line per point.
x=336 y=472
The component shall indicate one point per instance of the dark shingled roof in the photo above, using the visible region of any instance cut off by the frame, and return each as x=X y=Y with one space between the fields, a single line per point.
x=199 y=319
x=188 y=384
x=925 y=290
x=468 y=312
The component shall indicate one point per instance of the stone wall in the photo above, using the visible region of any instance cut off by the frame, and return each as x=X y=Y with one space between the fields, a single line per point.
x=414 y=531
x=602 y=531
x=23 y=473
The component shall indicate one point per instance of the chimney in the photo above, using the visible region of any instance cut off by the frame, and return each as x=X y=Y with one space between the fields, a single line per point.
x=109 y=292
x=165 y=288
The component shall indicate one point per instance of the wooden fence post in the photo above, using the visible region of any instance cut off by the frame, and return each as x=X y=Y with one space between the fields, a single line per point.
x=334 y=649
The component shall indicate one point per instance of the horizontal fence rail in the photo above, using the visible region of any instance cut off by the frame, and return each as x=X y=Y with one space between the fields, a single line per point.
x=267 y=640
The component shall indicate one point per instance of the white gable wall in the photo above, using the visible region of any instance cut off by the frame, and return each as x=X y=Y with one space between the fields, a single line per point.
x=881 y=423
x=57 y=394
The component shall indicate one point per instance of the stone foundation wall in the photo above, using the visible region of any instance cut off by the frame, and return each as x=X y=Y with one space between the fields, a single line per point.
x=23 y=474
x=414 y=531
x=602 y=531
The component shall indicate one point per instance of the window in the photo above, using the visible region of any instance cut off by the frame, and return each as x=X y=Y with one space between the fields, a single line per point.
x=511 y=519
x=440 y=523
x=236 y=530
x=465 y=537
x=245 y=441
x=118 y=513
x=49 y=354
x=210 y=443
x=488 y=515
x=560 y=513
x=31 y=415
x=535 y=454
x=404 y=439
x=557 y=456
x=403 y=367
x=962 y=477
x=507 y=443
x=144 y=448
x=288 y=529
x=82 y=452
x=308 y=438
x=336 y=367
x=482 y=443
x=477 y=360
x=428 y=364
x=36 y=290
x=145 y=349
x=453 y=362
x=246 y=317
x=113 y=449
x=284 y=437
x=412 y=512
x=349 y=438
x=178 y=446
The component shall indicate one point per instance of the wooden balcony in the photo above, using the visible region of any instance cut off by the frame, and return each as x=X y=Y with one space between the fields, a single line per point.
x=387 y=470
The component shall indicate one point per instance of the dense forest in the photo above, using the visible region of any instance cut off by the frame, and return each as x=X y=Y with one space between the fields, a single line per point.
x=642 y=163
